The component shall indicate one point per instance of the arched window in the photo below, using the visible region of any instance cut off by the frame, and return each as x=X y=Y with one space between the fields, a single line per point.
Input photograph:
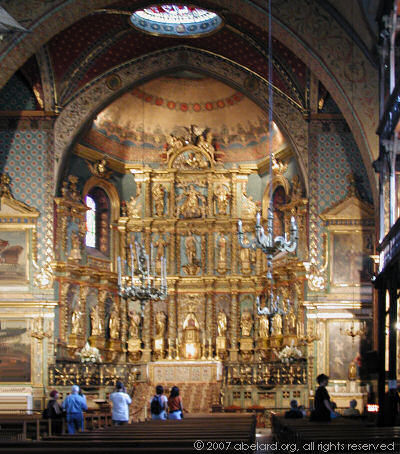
x=98 y=220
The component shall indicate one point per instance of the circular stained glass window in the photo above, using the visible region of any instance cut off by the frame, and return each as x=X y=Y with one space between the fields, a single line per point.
x=176 y=20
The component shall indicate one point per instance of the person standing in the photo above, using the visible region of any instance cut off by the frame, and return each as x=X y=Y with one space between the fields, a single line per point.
x=74 y=405
x=121 y=401
x=158 y=404
x=175 y=406
x=322 y=402
x=54 y=412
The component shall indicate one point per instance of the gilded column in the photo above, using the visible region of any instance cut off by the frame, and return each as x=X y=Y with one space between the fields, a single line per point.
x=233 y=351
x=234 y=255
x=210 y=196
x=234 y=209
x=147 y=194
x=63 y=315
x=83 y=292
x=210 y=303
x=147 y=331
x=210 y=251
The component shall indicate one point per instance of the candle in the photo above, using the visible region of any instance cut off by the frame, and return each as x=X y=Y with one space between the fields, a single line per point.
x=138 y=256
x=119 y=271
x=148 y=269
x=258 y=218
x=152 y=258
x=165 y=270
x=240 y=230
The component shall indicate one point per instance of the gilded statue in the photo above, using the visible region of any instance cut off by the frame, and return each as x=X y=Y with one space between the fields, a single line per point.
x=194 y=205
x=205 y=142
x=161 y=319
x=246 y=257
x=246 y=323
x=95 y=322
x=276 y=327
x=291 y=322
x=222 y=324
x=75 y=253
x=222 y=252
x=174 y=143
x=190 y=249
x=158 y=193
x=191 y=160
x=263 y=330
x=133 y=207
x=160 y=244
x=222 y=197
x=99 y=168
x=249 y=206
x=114 y=323
x=134 y=325
x=77 y=319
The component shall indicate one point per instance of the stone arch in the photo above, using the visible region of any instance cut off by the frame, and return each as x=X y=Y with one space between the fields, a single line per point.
x=308 y=31
x=91 y=99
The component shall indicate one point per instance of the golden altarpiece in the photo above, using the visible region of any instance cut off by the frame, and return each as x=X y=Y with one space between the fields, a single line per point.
x=208 y=329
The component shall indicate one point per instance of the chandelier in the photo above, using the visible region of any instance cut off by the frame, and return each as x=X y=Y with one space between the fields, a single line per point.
x=142 y=284
x=266 y=241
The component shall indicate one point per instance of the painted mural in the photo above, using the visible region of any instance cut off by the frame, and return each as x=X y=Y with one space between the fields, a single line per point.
x=13 y=256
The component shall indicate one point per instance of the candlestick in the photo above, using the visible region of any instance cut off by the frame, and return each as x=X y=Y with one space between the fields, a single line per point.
x=119 y=271
x=132 y=263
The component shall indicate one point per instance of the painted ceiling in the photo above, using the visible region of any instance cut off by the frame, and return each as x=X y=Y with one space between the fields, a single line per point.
x=136 y=126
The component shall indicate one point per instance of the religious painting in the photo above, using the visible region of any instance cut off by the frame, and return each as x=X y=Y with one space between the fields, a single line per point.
x=346 y=348
x=13 y=256
x=350 y=257
x=15 y=352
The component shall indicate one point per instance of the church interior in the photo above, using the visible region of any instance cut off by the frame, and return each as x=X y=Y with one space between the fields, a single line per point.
x=199 y=203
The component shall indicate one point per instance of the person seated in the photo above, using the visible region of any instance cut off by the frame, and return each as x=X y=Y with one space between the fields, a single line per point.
x=334 y=413
x=175 y=406
x=303 y=410
x=294 y=412
x=352 y=411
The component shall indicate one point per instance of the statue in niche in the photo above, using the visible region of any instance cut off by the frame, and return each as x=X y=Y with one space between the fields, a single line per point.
x=246 y=323
x=247 y=257
x=160 y=244
x=249 y=206
x=222 y=252
x=291 y=322
x=222 y=197
x=158 y=194
x=222 y=325
x=191 y=336
x=95 y=322
x=133 y=207
x=77 y=319
x=276 y=327
x=191 y=207
x=160 y=324
x=114 y=323
x=263 y=330
x=134 y=325
x=190 y=249
x=75 y=253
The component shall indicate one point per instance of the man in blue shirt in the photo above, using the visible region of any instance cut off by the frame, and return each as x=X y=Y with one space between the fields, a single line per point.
x=74 y=405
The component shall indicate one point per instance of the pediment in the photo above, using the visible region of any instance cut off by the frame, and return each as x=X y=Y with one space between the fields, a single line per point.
x=11 y=207
x=351 y=208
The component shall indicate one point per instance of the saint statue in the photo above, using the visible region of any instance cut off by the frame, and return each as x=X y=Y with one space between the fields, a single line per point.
x=222 y=196
x=158 y=197
x=190 y=248
x=191 y=207
x=160 y=244
x=160 y=324
x=291 y=322
x=75 y=253
x=246 y=257
x=133 y=207
x=76 y=319
x=221 y=324
x=222 y=251
x=114 y=323
x=263 y=330
x=190 y=321
x=246 y=323
x=95 y=322
x=134 y=325
x=277 y=325
x=249 y=206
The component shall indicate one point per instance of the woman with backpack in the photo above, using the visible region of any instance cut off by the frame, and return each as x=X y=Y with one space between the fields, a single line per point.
x=158 y=404
x=175 y=406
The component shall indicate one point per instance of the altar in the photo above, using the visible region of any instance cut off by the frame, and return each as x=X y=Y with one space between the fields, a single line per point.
x=163 y=372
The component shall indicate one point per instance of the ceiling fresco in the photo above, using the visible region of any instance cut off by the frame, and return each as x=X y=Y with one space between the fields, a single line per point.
x=138 y=124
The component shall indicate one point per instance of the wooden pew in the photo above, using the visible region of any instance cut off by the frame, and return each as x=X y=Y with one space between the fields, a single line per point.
x=217 y=433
